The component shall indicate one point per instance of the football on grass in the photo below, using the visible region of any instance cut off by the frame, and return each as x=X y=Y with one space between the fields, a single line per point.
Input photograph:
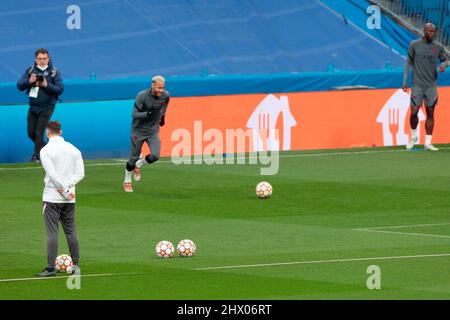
x=263 y=190
x=164 y=249
x=186 y=248
x=64 y=263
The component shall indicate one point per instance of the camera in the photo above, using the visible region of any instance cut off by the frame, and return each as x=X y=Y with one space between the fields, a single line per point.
x=40 y=78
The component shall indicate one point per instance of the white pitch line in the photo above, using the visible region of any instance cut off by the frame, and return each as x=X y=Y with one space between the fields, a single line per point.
x=406 y=233
x=121 y=162
x=64 y=277
x=404 y=226
x=378 y=229
x=323 y=261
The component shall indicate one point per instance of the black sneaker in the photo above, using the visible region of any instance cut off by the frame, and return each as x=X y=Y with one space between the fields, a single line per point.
x=76 y=270
x=47 y=272
x=35 y=159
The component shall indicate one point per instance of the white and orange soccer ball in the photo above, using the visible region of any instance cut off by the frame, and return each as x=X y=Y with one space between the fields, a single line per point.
x=164 y=249
x=64 y=263
x=186 y=248
x=263 y=190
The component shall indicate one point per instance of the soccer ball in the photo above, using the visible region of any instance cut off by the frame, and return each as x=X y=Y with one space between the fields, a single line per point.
x=164 y=249
x=64 y=263
x=186 y=248
x=263 y=190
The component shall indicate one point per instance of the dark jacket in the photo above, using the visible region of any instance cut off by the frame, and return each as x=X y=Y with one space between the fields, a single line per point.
x=48 y=96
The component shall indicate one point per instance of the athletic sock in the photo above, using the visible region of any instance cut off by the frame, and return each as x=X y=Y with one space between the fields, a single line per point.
x=128 y=176
x=140 y=162
x=428 y=139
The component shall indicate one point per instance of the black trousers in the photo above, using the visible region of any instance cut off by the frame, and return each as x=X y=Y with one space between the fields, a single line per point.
x=64 y=213
x=36 y=128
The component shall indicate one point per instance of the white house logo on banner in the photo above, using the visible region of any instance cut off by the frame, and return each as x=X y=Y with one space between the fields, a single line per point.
x=392 y=116
x=263 y=123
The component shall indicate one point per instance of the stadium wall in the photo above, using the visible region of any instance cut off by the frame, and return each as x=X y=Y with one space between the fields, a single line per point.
x=305 y=120
x=193 y=86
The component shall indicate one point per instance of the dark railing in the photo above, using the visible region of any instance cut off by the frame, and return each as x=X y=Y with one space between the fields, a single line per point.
x=417 y=12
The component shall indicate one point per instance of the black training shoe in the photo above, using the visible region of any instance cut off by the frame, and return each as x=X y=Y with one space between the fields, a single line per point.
x=35 y=159
x=76 y=270
x=46 y=273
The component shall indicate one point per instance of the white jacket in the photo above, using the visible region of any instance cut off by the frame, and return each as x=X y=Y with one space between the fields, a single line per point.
x=64 y=168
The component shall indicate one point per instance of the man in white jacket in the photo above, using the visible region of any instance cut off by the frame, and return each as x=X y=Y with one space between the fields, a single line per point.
x=64 y=168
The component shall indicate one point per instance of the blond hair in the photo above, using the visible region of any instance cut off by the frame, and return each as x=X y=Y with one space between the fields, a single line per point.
x=158 y=79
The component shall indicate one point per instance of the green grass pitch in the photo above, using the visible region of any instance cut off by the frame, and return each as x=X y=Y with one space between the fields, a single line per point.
x=333 y=213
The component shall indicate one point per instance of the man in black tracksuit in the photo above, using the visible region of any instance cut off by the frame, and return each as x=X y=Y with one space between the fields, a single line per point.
x=43 y=84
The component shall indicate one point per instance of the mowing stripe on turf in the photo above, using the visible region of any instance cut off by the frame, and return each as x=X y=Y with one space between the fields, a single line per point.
x=322 y=261
x=122 y=161
x=65 y=277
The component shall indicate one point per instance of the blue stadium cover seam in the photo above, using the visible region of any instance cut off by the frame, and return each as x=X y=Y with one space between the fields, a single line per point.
x=45 y=9
x=352 y=24
x=167 y=34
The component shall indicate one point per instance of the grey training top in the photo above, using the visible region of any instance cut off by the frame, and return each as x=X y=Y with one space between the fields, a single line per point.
x=145 y=102
x=422 y=57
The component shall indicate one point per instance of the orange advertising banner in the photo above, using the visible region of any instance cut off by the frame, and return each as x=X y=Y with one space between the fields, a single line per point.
x=298 y=121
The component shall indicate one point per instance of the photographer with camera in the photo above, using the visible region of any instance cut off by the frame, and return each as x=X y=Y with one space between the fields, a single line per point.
x=43 y=84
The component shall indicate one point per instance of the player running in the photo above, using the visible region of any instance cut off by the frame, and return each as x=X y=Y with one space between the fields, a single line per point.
x=148 y=115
